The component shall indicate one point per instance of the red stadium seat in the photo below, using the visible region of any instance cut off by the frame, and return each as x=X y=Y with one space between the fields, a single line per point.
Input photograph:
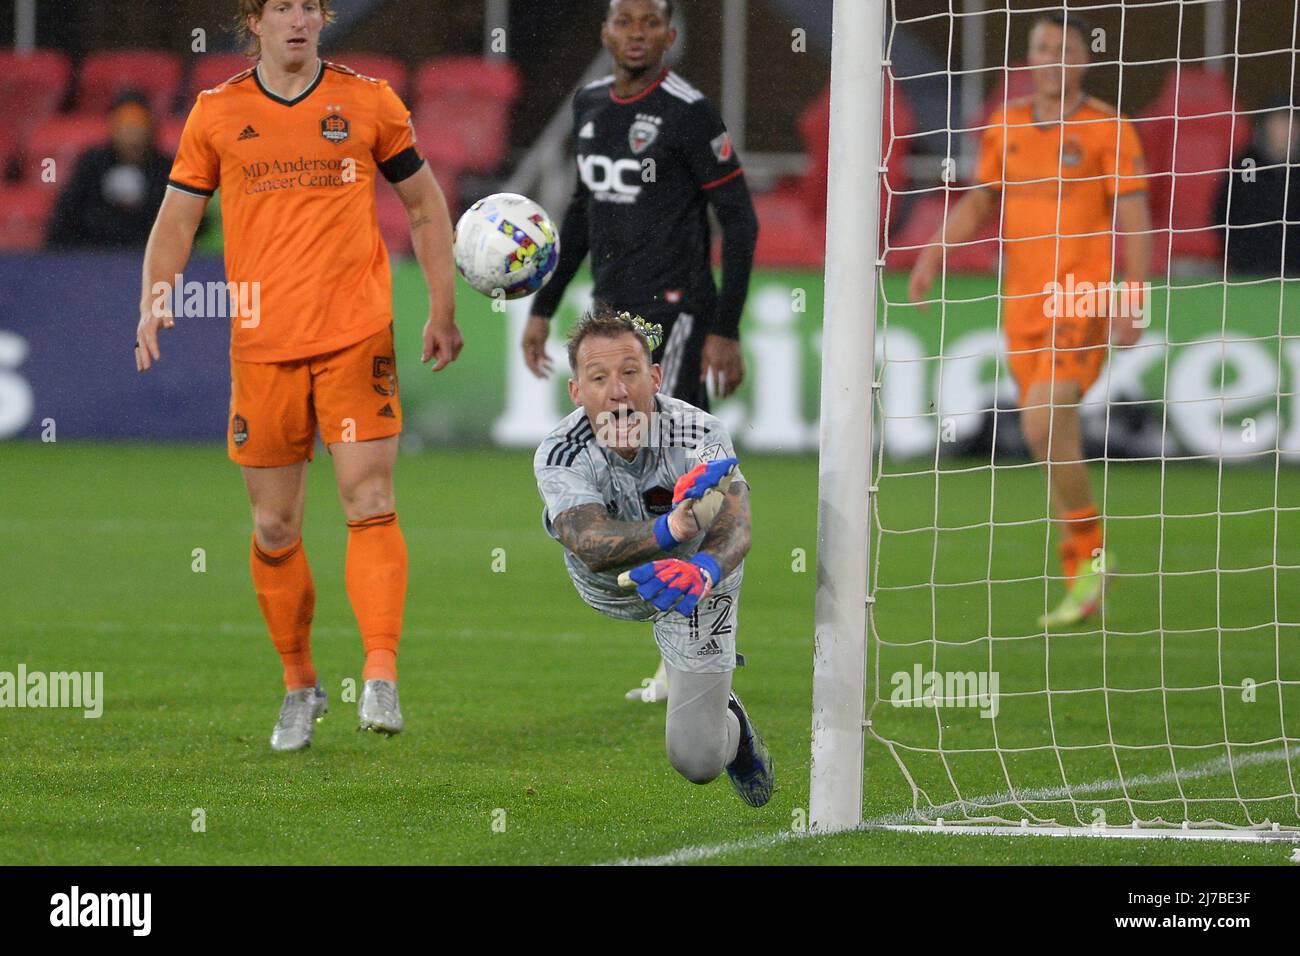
x=1202 y=127
x=1008 y=84
x=157 y=75
x=32 y=86
x=211 y=70
x=463 y=103
x=377 y=66
x=63 y=139
x=8 y=149
x=896 y=144
x=979 y=255
x=24 y=211
x=446 y=156
x=168 y=136
x=789 y=235
x=469 y=76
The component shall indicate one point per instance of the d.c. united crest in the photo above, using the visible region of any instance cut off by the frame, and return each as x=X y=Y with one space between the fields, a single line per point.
x=642 y=134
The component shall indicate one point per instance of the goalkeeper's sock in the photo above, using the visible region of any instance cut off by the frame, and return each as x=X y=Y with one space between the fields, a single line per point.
x=376 y=580
x=287 y=597
x=1082 y=540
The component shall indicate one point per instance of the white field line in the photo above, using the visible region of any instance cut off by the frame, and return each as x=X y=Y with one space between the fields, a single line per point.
x=696 y=853
x=693 y=854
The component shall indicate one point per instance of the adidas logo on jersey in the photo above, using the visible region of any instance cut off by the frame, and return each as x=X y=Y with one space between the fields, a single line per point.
x=248 y=133
x=588 y=131
x=709 y=648
x=387 y=411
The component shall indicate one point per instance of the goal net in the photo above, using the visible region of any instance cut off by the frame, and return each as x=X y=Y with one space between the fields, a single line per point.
x=1176 y=704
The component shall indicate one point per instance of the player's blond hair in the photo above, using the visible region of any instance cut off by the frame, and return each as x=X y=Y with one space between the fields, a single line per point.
x=253 y=8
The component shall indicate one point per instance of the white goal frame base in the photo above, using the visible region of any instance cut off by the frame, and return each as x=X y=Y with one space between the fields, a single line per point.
x=1275 y=835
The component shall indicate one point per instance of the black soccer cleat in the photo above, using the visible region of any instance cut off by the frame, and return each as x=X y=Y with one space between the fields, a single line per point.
x=751 y=773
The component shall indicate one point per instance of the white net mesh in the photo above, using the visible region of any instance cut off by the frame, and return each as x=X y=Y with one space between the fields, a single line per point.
x=1177 y=702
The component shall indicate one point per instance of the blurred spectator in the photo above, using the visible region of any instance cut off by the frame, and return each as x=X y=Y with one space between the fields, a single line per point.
x=116 y=189
x=1255 y=243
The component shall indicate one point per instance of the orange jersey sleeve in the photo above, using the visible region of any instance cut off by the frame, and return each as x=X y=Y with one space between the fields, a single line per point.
x=196 y=168
x=1123 y=163
x=393 y=131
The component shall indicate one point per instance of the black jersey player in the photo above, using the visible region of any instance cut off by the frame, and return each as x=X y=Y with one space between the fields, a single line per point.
x=653 y=155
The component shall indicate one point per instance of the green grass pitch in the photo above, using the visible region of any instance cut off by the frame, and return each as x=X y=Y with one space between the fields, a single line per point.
x=513 y=689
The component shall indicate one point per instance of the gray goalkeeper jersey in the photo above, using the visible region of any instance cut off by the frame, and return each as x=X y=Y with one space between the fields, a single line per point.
x=574 y=469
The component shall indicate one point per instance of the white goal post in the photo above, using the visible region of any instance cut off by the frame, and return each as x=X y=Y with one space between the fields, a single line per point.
x=1174 y=709
x=844 y=472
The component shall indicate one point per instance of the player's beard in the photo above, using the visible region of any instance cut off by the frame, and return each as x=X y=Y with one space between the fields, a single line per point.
x=638 y=72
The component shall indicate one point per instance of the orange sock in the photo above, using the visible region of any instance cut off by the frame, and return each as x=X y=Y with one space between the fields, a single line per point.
x=376 y=579
x=1082 y=539
x=282 y=580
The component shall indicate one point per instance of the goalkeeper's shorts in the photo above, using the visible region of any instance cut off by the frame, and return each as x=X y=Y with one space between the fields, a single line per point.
x=705 y=642
x=277 y=407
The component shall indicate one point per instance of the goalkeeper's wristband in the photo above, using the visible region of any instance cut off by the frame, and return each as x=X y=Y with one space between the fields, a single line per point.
x=709 y=565
x=664 y=534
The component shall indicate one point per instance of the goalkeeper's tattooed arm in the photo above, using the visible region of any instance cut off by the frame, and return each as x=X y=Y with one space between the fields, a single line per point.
x=603 y=543
x=728 y=537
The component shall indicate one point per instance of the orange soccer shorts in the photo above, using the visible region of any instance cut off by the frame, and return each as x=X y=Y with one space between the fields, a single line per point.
x=1057 y=349
x=276 y=407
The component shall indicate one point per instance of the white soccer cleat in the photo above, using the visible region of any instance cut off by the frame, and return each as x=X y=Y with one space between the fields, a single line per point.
x=653 y=690
x=298 y=715
x=378 y=708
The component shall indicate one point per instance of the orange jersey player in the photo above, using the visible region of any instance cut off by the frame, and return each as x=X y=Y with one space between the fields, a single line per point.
x=296 y=146
x=1069 y=173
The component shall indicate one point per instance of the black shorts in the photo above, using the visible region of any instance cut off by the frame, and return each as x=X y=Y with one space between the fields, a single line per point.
x=679 y=356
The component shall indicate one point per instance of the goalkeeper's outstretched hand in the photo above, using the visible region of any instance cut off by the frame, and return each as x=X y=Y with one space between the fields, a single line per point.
x=699 y=495
x=673 y=584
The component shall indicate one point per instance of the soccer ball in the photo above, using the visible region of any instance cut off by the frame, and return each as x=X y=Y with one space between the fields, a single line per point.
x=506 y=246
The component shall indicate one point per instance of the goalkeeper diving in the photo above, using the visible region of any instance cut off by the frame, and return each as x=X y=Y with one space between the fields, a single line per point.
x=646 y=496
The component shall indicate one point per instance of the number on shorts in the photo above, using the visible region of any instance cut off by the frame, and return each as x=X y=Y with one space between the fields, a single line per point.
x=722 y=625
